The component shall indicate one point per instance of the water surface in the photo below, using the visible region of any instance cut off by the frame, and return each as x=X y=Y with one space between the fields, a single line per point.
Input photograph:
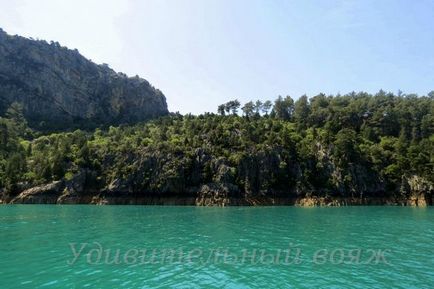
x=234 y=247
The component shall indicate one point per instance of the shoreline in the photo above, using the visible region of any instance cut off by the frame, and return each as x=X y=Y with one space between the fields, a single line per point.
x=420 y=200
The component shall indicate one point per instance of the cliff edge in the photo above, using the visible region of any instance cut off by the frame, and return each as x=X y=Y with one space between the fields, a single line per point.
x=61 y=89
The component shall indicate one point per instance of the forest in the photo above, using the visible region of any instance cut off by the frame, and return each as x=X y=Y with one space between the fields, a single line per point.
x=351 y=145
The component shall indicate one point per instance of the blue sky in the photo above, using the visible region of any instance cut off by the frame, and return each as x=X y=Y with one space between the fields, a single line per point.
x=201 y=53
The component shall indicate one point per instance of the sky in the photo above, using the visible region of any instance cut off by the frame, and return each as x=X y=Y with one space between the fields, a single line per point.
x=201 y=53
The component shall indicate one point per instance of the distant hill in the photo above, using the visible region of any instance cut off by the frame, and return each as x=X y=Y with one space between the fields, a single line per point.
x=60 y=89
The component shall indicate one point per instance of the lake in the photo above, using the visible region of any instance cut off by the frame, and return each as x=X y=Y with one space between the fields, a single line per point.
x=44 y=246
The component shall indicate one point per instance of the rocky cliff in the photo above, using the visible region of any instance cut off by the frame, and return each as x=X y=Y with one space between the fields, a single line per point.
x=74 y=192
x=59 y=88
x=158 y=179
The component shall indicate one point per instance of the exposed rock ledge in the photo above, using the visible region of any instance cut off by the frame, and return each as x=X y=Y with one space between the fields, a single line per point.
x=214 y=194
x=47 y=195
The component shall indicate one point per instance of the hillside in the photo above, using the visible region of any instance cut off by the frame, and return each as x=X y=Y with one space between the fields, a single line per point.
x=60 y=89
x=341 y=150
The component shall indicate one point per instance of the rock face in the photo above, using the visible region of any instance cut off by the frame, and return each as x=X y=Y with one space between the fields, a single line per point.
x=59 y=88
x=45 y=194
x=158 y=178
x=215 y=195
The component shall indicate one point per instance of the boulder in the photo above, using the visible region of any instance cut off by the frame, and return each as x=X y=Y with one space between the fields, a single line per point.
x=44 y=194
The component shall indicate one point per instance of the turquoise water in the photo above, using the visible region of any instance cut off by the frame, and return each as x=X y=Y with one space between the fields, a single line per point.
x=45 y=246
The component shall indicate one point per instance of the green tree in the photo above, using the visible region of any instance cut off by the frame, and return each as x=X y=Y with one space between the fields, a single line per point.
x=221 y=109
x=301 y=112
x=233 y=106
x=16 y=115
x=248 y=109
x=58 y=166
x=4 y=136
x=345 y=146
x=284 y=107
x=267 y=105
x=258 y=107
x=15 y=169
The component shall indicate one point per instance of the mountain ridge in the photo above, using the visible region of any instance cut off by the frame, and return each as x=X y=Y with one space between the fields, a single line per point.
x=61 y=89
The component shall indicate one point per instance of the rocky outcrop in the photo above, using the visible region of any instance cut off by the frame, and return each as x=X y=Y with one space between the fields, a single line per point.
x=156 y=178
x=417 y=191
x=58 y=192
x=60 y=89
x=208 y=195
x=215 y=194
x=315 y=201
x=73 y=191
x=45 y=194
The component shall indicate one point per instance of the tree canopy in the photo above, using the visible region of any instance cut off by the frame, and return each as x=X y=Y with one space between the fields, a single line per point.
x=345 y=144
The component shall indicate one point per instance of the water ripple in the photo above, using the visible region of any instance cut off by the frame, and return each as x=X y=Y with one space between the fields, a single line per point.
x=35 y=246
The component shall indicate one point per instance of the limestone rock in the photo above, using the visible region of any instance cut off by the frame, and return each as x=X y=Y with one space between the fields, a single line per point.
x=59 y=88
x=215 y=194
x=44 y=194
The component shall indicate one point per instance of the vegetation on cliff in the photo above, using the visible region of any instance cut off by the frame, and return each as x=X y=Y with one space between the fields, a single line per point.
x=351 y=146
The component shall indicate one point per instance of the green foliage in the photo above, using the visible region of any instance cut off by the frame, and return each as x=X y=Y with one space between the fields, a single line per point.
x=248 y=109
x=229 y=107
x=341 y=144
x=301 y=112
x=283 y=107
